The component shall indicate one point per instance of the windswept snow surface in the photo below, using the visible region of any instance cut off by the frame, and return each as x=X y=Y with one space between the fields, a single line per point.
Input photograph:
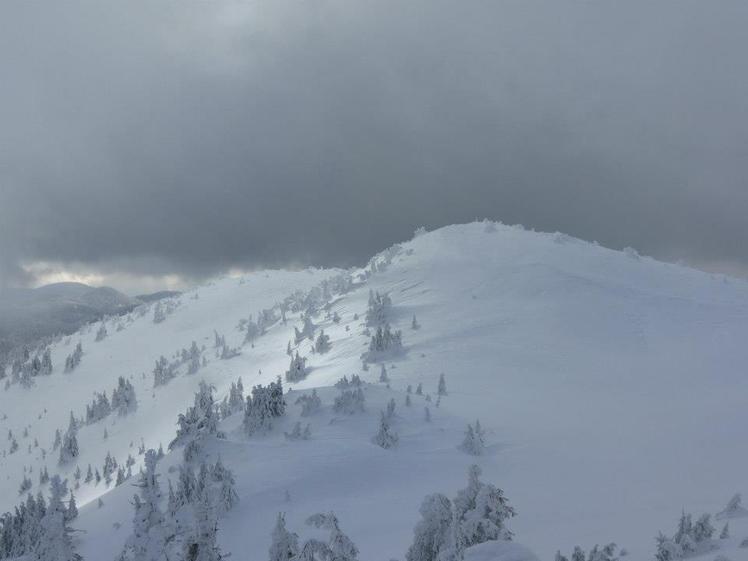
x=612 y=388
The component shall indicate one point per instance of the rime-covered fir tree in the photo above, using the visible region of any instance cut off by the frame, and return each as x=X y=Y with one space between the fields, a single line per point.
x=284 y=545
x=473 y=443
x=386 y=437
x=442 y=390
x=322 y=344
x=55 y=540
x=431 y=534
x=150 y=530
x=297 y=370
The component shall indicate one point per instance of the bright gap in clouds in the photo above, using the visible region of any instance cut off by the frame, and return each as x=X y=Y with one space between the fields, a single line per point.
x=45 y=273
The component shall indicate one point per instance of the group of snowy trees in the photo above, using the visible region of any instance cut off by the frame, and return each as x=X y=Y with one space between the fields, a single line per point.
x=193 y=357
x=69 y=443
x=263 y=405
x=350 y=401
x=337 y=547
x=384 y=343
x=188 y=528
x=597 y=553
x=474 y=442
x=322 y=344
x=39 y=529
x=164 y=371
x=297 y=370
x=307 y=330
x=691 y=538
x=74 y=359
x=197 y=423
x=25 y=368
x=310 y=403
x=123 y=397
x=377 y=312
x=101 y=333
x=478 y=514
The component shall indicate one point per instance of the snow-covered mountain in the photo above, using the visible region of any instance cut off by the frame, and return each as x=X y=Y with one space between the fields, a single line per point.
x=610 y=388
x=27 y=314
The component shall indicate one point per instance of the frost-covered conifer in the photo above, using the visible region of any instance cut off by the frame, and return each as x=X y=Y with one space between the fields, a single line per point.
x=481 y=511
x=725 y=533
x=414 y=324
x=285 y=544
x=74 y=359
x=71 y=513
x=55 y=542
x=338 y=547
x=442 y=385
x=384 y=342
x=378 y=309
x=419 y=389
x=383 y=378
x=297 y=370
x=432 y=532
x=199 y=422
x=386 y=437
x=322 y=344
x=310 y=403
x=123 y=397
x=263 y=405
x=150 y=531
x=201 y=543
x=101 y=333
x=350 y=402
x=473 y=442
x=159 y=313
x=307 y=330
x=734 y=508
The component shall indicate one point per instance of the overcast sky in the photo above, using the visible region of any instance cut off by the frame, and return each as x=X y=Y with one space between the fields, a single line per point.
x=151 y=144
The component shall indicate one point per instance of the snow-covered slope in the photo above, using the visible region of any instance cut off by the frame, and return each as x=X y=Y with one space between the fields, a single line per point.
x=611 y=387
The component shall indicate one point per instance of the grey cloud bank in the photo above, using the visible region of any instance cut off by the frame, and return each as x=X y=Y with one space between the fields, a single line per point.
x=188 y=138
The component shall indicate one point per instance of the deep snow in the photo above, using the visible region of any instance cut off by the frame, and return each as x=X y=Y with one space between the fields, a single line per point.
x=612 y=387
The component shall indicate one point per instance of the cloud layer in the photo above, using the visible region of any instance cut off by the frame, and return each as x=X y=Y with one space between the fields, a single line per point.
x=162 y=138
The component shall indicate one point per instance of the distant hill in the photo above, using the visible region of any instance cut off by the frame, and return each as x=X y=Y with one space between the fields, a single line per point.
x=27 y=314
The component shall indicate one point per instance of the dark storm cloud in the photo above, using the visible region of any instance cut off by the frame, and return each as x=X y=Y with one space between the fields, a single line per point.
x=190 y=137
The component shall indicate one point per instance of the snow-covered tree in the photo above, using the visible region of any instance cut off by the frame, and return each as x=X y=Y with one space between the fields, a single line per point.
x=339 y=546
x=473 y=442
x=431 y=534
x=481 y=512
x=123 y=397
x=163 y=371
x=198 y=423
x=263 y=405
x=384 y=342
x=734 y=508
x=297 y=370
x=414 y=324
x=74 y=359
x=349 y=402
x=442 y=390
x=285 y=544
x=310 y=403
x=297 y=433
x=101 y=333
x=383 y=377
x=201 y=543
x=307 y=330
x=386 y=437
x=159 y=313
x=55 y=541
x=69 y=447
x=150 y=530
x=322 y=344
x=378 y=309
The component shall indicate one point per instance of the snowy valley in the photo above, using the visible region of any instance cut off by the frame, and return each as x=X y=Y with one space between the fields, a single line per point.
x=601 y=395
